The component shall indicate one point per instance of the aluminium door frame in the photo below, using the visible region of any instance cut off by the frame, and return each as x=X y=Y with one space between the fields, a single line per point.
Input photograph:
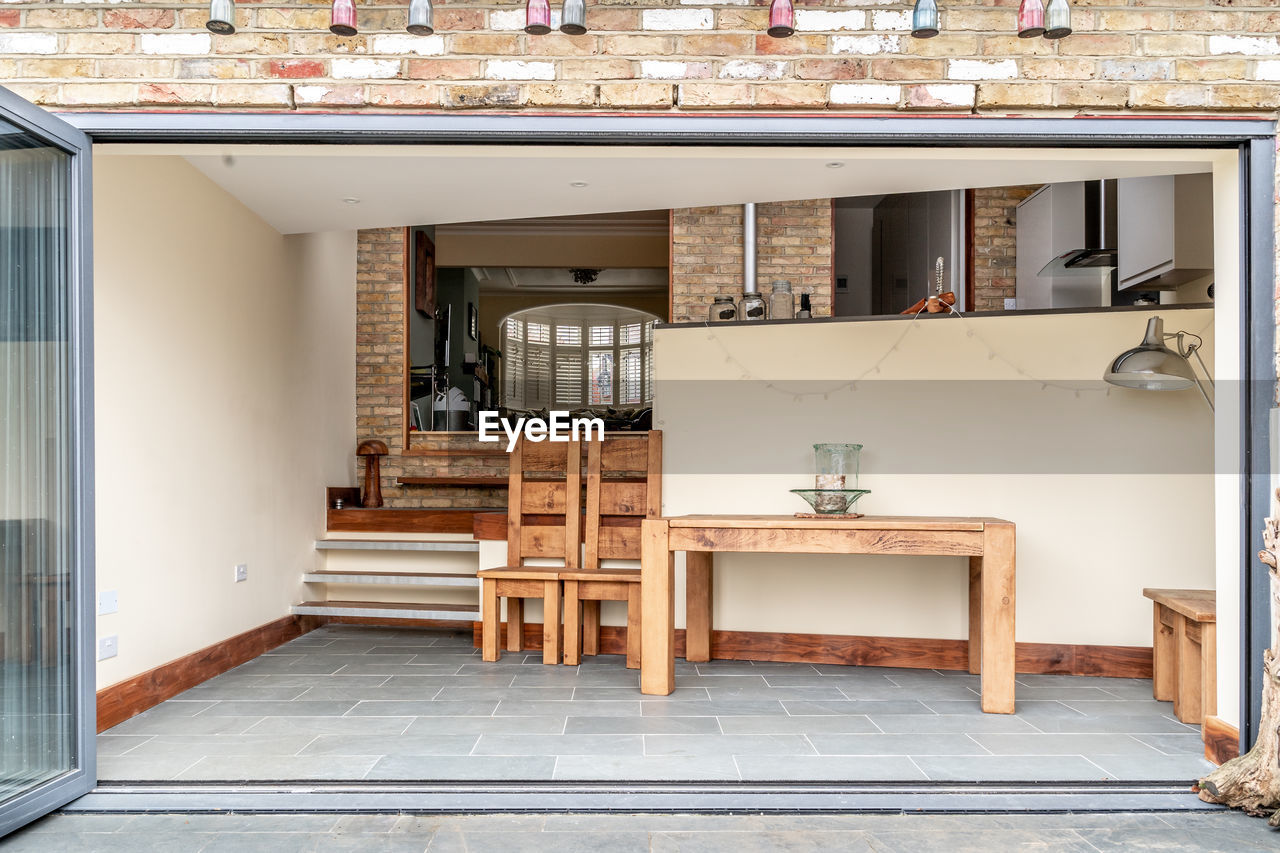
x=1254 y=139
x=58 y=134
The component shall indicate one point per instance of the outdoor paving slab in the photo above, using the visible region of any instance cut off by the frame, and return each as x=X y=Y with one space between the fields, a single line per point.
x=1066 y=693
x=278 y=768
x=486 y=725
x=832 y=723
x=645 y=768
x=1010 y=768
x=314 y=726
x=262 y=693
x=914 y=841
x=1188 y=743
x=494 y=679
x=296 y=708
x=942 y=689
x=896 y=744
x=1064 y=744
x=210 y=725
x=677 y=707
x=409 y=708
x=695 y=680
x=772 y=745
x=371 y=694
x=760 y=842
x=505 y=694
x=398 y=744
x=965 y=724
x=224 y=744
x=481 y=841
x=569 y=744
x=1030 y=710
x=813 y=693
x=1143 y=725
x=629 y=694
x=338 y=680
x=109 y=744
x=643 y=725
x=139 y=768
x=1154 y=767
x=829 y=768
x=462 y=768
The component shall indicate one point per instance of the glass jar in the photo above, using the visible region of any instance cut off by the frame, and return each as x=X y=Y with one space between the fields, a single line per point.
x=722 y=310
x=782 y=305
x=837 y=465
x=754 y=307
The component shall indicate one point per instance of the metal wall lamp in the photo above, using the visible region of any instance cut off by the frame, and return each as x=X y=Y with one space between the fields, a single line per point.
x=1152 y=366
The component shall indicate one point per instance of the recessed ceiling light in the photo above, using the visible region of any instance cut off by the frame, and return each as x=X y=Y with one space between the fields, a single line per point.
x=835 y=164
x=351 y=200
x=578 y=184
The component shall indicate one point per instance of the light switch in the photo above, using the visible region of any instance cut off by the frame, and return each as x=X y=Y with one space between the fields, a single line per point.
x=108 y=603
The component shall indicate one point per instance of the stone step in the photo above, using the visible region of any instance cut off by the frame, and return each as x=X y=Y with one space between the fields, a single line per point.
x=395 y=578
x=389 y=610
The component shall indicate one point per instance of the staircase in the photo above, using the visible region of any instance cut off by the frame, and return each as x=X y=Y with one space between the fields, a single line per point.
x=396 y=578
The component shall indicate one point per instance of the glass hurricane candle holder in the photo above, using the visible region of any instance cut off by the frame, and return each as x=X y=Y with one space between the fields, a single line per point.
x=837 y=465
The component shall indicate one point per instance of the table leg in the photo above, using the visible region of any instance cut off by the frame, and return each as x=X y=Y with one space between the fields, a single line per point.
x=657 y=610
x=697 y=610
x=975 y=615
x=998 y=604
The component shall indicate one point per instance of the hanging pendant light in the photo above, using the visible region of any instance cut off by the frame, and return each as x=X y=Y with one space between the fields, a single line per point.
x=222 y=17
x=573 y=17
x=342 y=21
x=420 y=14
x=924 y=19
x=1057 y=19
x=782 y=19
x=1031 y=19
x=537 y=17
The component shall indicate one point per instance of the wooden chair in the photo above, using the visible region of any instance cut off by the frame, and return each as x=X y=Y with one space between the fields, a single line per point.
x=544 y=519
x=624 y=485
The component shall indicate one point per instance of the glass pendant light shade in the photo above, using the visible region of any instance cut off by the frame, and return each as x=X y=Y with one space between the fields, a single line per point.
x=1057 y=19
x=222 y=17
x=420 y=18
x=343 y=18
x=782 y=19
x=1151 y=365
x=573 y=17
x=1031 y=19
x=537 y=17
x=924 y=19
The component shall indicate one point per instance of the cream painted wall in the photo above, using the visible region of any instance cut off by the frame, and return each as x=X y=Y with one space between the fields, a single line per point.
x=1111 y=492
x=225 y=388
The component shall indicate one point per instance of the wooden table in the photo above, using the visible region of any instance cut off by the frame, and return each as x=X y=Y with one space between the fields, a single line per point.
x=987 y=542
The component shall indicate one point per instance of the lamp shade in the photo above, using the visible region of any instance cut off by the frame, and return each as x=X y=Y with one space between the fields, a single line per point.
x=420 y=18
x=537 y=17
x=924 y=19
x=1057 y=19
x=573 y=17
x=782 y=19
x=1030 y=19
x=222 y=17
x=343 y=18
x=1151 y=366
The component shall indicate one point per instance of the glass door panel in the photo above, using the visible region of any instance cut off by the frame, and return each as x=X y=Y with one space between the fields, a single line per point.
x=45 y=717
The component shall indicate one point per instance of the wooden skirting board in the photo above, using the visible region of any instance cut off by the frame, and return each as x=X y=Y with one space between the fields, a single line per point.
x=1038 y=658
x=1221 y=740
x=131 y=697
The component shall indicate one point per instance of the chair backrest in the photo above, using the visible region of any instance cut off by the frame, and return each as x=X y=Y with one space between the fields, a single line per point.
x=624 y=485
x=544 y=501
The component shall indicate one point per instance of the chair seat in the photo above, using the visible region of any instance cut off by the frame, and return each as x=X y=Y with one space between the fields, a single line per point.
x=521 y=572
x=602 y=575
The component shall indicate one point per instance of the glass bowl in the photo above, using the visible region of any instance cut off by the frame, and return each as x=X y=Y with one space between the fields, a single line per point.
x=831 y=501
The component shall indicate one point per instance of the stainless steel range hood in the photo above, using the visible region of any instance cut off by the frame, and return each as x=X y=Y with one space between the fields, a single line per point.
x=1099 y=253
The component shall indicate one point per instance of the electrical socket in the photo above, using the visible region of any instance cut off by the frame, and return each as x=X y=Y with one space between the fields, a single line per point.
x=108 y=603
x=242 y=572
x=108 y=647
x=1010 y=304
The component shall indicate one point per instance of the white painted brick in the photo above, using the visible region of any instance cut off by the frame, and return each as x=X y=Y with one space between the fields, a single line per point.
x=518 y=69
x=654 y=69
x=309 y=94
x=891 y=20
x=514 y=19
x=419 y=45
x=715 y=2
x=978 y=69
x=175 y=44
x=819 y=21
x=677 y=19
x=865 y=93
x=952 y=94
x=1247 y=45
x=28 y=43
x=347 y=68
x=1268 y=70
x=864 y=45
x=750 y=69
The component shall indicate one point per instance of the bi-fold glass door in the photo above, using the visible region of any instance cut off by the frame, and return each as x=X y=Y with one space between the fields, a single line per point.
x=46 y=542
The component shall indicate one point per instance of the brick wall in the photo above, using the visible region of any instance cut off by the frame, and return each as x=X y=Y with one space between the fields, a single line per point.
x=1136 y=55
x=795 y=240
x=995 y=256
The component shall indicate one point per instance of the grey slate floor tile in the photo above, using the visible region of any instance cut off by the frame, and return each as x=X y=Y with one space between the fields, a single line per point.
x=402 y=704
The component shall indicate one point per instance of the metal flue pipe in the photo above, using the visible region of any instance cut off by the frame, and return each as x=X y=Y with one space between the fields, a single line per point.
x=749 y=248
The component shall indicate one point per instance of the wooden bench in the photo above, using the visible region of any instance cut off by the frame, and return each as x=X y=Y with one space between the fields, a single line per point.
x=1185 y=651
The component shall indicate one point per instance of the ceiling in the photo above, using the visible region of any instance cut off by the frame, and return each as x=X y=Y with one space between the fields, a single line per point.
x=304 y=188
x=560 y=279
